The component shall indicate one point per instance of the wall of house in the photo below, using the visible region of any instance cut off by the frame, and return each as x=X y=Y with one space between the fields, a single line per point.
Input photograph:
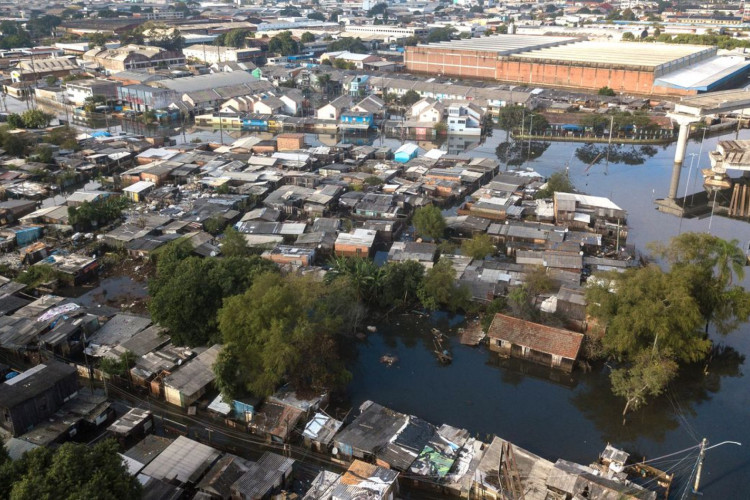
x=352 y=250
x=22 y=417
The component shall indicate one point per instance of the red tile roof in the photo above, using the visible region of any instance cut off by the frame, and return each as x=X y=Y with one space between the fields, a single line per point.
x=538 y=337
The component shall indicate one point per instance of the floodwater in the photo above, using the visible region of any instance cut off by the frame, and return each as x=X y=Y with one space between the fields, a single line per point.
x=574 y=417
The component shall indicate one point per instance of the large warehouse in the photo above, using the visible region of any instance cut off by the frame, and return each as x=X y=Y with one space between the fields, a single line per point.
x=642 y=68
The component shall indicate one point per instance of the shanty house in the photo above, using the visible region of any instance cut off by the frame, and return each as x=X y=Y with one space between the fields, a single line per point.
x=364 y=480
x=371 y=431
x=266 y=476
x=184 y=461
x=358 y=243
x=189 y=383
x=33 y=396
x=540 y=344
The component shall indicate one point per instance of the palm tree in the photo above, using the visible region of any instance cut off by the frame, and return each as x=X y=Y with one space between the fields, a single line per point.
x=364 y=276
x=729 y=260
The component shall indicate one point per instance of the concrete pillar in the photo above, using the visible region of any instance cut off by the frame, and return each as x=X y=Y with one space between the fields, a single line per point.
x=679 y=157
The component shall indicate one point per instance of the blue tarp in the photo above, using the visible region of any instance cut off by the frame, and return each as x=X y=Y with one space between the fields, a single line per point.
x=101 y=133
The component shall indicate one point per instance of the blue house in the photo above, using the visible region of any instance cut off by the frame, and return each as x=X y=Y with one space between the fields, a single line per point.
x=359 y=86
x=241 y=409
x=406 y=152
x=355 y=120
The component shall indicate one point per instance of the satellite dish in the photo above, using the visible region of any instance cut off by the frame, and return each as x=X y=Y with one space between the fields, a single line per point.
x=335 y=451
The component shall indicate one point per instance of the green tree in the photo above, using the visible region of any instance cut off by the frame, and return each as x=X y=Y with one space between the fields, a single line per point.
x=118 y=366
x=43 y=154
x=606 y=91
x=522 y=299
x=401 y=283
x=628 y=36
x=234 y=244
x=558 y=182
x=511 y=116
x=36 y=118
x=410 y=97
x=648 y=309
x=73 y=471
x=51 y=80
x=307 y=37
x=377 y=10
x=363 y=277
x=646 y=377
x=39 y=274
x=316 y=16
x=15 y=121
x=15 y=145
x=478 y=247
x=64 y=136
x=279 y=330
x=91 y=215
x=429 y=222
x=186 y=294
x=290 y=12
x=440 y=289
x=235 y=38
x=284 y=44
x=710 y=266
x=441 y=35
x=43 y=26
x=348 y=44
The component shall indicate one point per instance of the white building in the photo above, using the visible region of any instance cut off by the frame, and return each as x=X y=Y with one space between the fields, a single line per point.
x=78 y=91
x=427 y=110
x=385 y=30
x=211 y=54
x=465 y=119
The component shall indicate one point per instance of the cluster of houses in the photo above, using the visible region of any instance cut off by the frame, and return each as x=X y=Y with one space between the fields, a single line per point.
x=300 y=206
x=373 y=454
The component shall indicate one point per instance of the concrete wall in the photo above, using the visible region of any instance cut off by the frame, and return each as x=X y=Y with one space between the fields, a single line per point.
x=486 y=66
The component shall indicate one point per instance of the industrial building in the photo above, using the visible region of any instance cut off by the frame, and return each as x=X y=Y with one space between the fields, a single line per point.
x=640 y=68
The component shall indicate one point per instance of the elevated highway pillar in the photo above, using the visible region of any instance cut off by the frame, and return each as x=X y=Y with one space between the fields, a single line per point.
x=679 y=155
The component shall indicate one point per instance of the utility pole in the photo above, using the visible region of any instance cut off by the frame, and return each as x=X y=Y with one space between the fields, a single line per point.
x=699 y=470
x=701 y=458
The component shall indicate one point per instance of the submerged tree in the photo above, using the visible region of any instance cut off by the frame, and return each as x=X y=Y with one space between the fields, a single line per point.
x=280 y=330
x=654 y=318
x=646 y=377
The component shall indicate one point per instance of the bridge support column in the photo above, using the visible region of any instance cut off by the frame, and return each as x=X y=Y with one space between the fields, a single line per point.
x=679 y=157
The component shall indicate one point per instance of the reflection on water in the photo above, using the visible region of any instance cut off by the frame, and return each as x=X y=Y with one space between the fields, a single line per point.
x=575 y=421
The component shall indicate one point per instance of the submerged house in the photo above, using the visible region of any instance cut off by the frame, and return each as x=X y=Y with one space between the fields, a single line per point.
x=541 y=344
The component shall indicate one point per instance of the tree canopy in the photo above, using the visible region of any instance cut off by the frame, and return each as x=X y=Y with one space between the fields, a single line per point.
x=284 y=44
x=558 y=182
x=478 y=247
x=71 y=472
x=348 y=44
x=429 y=222
x=188 y=291
x=280 y=330
x=440 y=290
x=655 y=318
x=410 y=97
